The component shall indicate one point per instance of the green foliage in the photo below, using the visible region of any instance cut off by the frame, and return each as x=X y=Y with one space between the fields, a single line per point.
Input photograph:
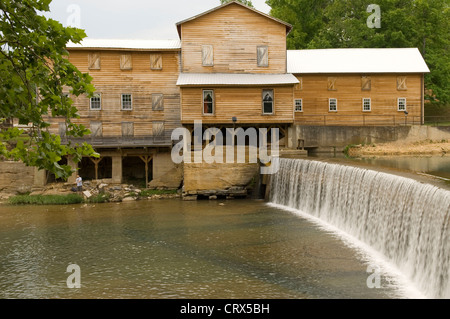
x=422 y=24
x=246 y=2
x=99 y=198
x=45 y=199
x=34 y=75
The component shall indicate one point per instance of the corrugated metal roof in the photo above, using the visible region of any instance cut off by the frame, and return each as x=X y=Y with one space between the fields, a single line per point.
x=230 y=79
x=114 y=44
x=405 y=60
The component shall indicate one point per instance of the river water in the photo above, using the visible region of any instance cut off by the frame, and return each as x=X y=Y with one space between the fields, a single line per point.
x=177 y=249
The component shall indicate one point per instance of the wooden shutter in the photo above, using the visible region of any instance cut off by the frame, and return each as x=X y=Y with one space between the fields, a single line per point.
x=207 y=55
x=401 y=83
x=96 y=129
x=127 y=129
x=94 y=61
x=126 y=62
x=366 y=83
x=158 y=102
x=158 y=129
x=263 y=55
x=156 y=61
x=332 y=84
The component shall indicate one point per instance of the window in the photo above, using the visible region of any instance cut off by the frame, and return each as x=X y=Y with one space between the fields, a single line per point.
x=208 y=102
x=96 y=129
x=96 y=102
x=401 y=104
x=127 y=102
x=158 y=128
x=94 y=61
x=156 y=61
x=332 y=105
x=366 y=83
x=299 y=105
x=127 y=129
x=332 y=84
x=367 y=105
x=158 y=102
x=262 y=53
x=267 y=100
x=126 y=62
x=207 y=55
x=401 y=83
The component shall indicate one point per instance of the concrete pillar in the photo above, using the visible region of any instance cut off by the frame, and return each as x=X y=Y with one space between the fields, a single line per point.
x=117 y=169
x=40 y=177
x=71 y=163
x=162 y=163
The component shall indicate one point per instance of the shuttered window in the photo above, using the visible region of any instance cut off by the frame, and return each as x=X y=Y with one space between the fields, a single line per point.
x=158 y=102
x=267 y=101
x=94 y=61
x=96 y=129
x=158 y=128
x=207 y=55
x=366 y=83
x=156 y=62
x=127 y=129
x=262 y=53
x=126 y=62
x=401 y=83
x=332 y=84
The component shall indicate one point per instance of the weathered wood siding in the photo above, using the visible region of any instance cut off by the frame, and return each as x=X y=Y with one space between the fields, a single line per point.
x=245 y=103
x=130 y=73
x=350 y=90
x=235 y=33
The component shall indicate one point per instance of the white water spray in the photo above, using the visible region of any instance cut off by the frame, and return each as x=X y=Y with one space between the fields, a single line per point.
x=404 y=220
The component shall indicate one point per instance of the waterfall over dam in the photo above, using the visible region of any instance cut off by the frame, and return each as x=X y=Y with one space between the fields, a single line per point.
x=404 y=220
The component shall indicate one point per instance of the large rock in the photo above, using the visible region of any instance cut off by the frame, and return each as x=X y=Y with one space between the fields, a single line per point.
x=171 y=180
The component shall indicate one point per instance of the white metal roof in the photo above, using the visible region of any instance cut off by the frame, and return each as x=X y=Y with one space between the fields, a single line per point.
x=199 y=79
x=114 y=44
x=405 y=60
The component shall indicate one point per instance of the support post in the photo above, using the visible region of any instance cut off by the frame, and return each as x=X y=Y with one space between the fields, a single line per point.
x=146 y=159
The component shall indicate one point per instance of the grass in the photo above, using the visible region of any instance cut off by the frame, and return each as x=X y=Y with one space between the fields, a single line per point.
x=46 y=199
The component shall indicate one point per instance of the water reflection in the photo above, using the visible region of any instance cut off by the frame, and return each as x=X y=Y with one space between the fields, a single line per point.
x=175 y=249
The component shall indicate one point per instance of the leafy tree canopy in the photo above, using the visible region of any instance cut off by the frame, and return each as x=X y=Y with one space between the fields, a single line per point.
x=423 y=24
x=246 y=2
x=35 y=77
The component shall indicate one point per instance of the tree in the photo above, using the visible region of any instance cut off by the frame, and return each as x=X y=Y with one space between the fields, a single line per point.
x=35 y=77
x=423 y=24
x=246 y=2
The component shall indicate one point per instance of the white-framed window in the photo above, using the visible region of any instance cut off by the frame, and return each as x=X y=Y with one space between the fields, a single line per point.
x=332 y=105
x=299 y=105
x=208 y=102
x=367 y=104
x=96 y=102
x=127 y=102
x=267 y=101
x=401 y=104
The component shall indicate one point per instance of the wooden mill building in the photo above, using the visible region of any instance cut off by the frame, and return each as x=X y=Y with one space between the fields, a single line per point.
x=230 y=67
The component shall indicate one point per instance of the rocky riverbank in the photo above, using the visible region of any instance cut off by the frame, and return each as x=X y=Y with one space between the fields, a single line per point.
x=426 y=147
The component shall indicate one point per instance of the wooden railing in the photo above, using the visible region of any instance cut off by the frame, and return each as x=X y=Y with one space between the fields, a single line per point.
x=370 y=120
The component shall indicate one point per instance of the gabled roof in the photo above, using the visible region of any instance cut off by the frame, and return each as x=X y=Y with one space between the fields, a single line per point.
x=233 y=79
x=178 y=24
x=125 y=44
x=404 y=60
